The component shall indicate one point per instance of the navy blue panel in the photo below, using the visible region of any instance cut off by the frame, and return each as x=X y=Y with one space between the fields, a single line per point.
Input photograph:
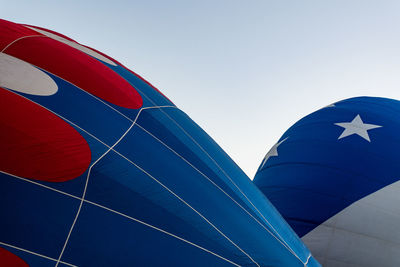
x=31 y=210
x=316 y=175
x=123 y=242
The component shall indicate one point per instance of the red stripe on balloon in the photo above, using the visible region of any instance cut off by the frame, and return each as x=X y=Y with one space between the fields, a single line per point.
x=36 y=144
x=10 y=32
x=78 y=68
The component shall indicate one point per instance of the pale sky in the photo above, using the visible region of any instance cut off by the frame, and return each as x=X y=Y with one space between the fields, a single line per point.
x=245 y=71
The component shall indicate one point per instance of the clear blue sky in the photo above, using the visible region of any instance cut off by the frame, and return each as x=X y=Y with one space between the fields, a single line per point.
x=244 y=70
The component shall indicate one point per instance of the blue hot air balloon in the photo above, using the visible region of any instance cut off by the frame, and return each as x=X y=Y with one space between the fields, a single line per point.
x=98 y=168
x=334 y=176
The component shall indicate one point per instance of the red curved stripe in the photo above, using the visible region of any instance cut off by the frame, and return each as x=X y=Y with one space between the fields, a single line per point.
x=36 y=144
x=78 y=68
x=11 y=260
x=10 y=32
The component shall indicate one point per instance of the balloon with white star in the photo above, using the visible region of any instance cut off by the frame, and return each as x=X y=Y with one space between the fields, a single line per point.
x=335 y=177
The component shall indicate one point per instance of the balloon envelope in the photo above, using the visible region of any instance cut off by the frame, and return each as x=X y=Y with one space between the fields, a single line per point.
x=334 y=177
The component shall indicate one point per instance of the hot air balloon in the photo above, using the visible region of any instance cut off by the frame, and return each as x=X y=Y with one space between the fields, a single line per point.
x=334 y=176
x=99 y=168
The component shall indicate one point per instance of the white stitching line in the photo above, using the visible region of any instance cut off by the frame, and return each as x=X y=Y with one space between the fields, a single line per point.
x=20 y=38
x=87 y=181
x=116 y=212
x=36 y=254
x=205 y=176
x=39 y=184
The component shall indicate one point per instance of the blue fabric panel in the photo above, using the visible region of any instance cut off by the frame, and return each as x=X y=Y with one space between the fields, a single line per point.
x=121 y=242
x=41 y=214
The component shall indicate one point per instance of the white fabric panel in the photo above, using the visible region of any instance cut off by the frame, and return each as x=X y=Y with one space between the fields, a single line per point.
x=367 y=233
x=21 y=76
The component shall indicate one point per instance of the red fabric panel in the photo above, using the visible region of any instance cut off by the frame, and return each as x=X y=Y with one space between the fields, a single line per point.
x=78 y=68
x=11 y=260
x=36 y=144
x=10 y=31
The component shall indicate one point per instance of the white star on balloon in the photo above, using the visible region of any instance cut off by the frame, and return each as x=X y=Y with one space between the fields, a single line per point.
x=356 y=126
x=273 y=152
